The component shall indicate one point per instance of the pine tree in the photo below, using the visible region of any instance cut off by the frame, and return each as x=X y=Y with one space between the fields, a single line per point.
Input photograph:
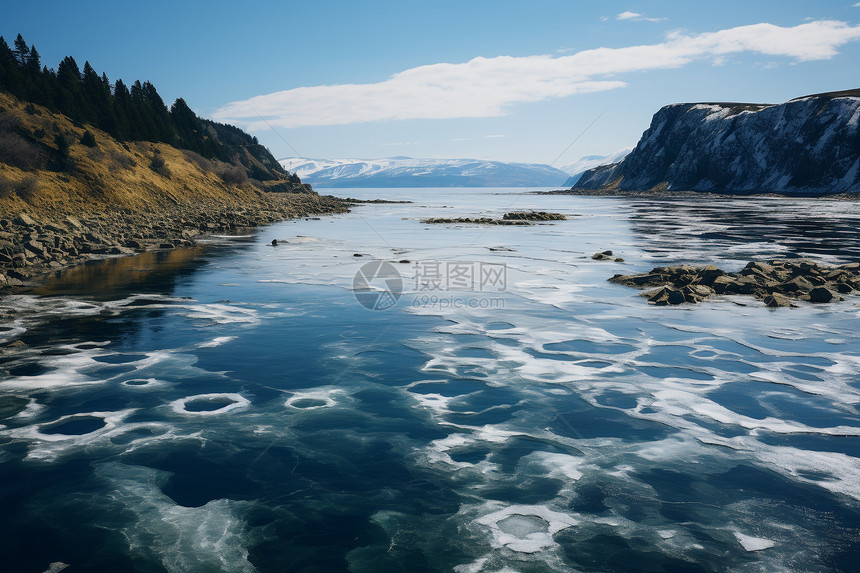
x=34 y=61
x=22 y=50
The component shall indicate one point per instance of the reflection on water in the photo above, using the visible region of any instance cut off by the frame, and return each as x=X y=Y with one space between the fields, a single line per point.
x=155 y=271
x=775 y=226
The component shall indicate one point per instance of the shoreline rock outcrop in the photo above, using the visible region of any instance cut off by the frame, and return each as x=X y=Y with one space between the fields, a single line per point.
x=777 y=283
x=511 y=218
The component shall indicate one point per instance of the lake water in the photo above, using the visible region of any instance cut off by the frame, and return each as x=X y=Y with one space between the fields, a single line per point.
x=236 y=408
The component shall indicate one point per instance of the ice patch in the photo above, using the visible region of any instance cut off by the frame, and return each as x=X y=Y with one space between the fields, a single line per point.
x=218 y=341
x=558 y=465
x=208 y=538
x=147 y=383
x=751 y=543
x=314 y=399
x=209 y=404
x=526 y=528
x=222 y=313
x=85 y=430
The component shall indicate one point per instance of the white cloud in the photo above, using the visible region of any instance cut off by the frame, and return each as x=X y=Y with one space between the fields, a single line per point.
x=488 y=87
x=637 y=17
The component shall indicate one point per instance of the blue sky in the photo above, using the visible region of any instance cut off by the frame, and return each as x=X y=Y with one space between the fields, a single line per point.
x=513 y=81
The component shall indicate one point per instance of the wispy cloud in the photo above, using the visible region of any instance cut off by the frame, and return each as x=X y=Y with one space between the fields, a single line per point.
x=637 y=17
x=488 y=87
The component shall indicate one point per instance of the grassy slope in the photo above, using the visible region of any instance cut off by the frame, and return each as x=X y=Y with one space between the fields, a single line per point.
x=111 y=175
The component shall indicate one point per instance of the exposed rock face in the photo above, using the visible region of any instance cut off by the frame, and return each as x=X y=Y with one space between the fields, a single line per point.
x=776 y=282
x=809 y=145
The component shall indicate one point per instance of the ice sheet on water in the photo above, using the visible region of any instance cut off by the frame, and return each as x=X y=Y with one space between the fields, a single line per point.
x=212 y=404
x=524 y=528
x=85 y=431
x=751 y=543
x=212 y=537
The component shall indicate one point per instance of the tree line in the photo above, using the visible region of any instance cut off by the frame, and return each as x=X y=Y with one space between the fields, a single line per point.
x=128 y=113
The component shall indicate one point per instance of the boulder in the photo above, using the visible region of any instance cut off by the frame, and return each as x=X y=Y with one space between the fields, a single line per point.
x=820 y=295
x=797 y=284
x=676 y=297
x=777 y=300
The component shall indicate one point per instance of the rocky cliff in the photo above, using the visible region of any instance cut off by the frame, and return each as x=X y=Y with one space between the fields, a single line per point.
x=809 y=145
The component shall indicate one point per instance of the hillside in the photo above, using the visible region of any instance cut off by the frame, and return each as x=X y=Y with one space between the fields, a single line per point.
x=807 y=146
x=135 y=113
x=417 y=172
x=70 y=192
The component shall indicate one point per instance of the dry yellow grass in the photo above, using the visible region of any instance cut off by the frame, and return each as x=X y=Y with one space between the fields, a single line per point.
x=110 y=175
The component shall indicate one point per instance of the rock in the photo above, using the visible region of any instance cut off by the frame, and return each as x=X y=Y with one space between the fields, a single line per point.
x=35 y=248
x=659 y=296
x=776 y=282
x=676 y=297
x=274 y=242
x=820 y=295
x=533 y=216
x=166 y=246
x=696 y=293
x=74 y=223
x=649 y=279
x=404 y=261
x=777 y=300
x=619 y=260
x=757 y=268
x=797 y=284
x=26 y=220
x=117 y=250
x=724 y=283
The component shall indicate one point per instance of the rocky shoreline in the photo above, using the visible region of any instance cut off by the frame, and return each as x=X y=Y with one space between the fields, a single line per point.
x=36 y=244
x=777 y=283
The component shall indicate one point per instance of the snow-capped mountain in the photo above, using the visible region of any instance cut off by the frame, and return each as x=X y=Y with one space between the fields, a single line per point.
x=577 y=168
x=412 y=172
x=807 y=145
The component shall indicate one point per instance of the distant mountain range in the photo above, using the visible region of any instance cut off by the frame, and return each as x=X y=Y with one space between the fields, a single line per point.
x=577 y=168
x=412 y=172
x=809 y=145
